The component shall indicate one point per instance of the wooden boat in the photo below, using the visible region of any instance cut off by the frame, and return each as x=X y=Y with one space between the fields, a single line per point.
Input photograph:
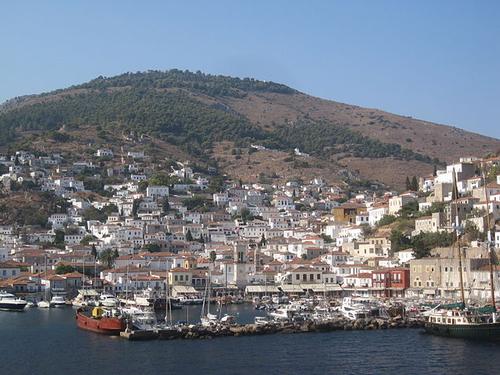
x=100 y=320
x=459 y=321
x=462 y=323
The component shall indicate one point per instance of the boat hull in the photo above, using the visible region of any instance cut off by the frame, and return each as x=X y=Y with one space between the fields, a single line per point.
x=470 y=331
x=104 y=325
x=12 y=306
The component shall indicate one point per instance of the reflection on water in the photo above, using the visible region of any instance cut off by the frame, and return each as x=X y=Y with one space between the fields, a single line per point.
x=48 y=342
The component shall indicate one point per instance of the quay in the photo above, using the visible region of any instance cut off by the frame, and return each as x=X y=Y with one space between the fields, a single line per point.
x=201 y=332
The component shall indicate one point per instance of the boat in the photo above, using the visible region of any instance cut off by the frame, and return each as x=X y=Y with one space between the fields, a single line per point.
x=43 y=304
x=9 y=302
x=353 y=310
x=190 y=300
x=460 y=321
x=207 y=319
x=86 y=297
x=261 y=320
x=57 y=301
x=108 y=300
x=100 y=320
x=144 y=299
x=161 y=304
x=464 y=323
x=283 y=313
x=140 y=318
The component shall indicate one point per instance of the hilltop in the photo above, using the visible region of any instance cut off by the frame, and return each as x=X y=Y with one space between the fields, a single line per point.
x=214 y=120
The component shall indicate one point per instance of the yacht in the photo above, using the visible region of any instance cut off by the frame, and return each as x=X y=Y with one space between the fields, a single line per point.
x=57 y=301
x=108 y=300
x=140 y=318
x=352 y=310
x=283 y=313
x=9 y=302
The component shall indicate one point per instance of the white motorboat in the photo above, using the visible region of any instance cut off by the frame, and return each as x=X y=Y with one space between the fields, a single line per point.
x=9 y=302
x=142 y=319
x=353 y=310
x=283 y=313
x=261 y=320
x=227 y=319
x=43 y=304
x=57 y=301
x=108 y=300
x=209 y=320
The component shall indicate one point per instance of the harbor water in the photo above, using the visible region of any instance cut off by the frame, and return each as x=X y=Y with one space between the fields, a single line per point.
x=43 y=342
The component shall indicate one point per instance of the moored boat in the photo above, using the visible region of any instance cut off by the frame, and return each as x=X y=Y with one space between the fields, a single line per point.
x=460 y=323
x=9 y=302
x=100 y=320
x=57 y=301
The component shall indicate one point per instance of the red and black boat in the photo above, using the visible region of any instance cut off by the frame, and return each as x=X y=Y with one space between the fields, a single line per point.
x=99 y=320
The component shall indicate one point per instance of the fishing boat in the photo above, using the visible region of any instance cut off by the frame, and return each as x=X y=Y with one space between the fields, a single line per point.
x=460 y=321
x=99 y=320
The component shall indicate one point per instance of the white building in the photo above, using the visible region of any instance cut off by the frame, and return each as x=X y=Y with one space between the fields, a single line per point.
x=58 y=220
x=377 y=212
x=104 y=152
x=404 y=256
x=157 y=191
x=397 y=203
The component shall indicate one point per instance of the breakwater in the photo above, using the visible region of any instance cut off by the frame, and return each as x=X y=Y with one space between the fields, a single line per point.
x=201 y=332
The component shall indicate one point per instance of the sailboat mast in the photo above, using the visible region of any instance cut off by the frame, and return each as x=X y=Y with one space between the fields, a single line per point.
x=208 y=294
x=462 y=294
x=45 y=275
x=168 y=310
x=457 y=236
x=204 y=299
x=126 y=286
x=489 y=242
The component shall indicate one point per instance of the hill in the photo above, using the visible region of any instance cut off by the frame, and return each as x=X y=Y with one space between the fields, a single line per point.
x=214 y=120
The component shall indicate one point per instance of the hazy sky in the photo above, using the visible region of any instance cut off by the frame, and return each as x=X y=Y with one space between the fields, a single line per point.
x=434 y=60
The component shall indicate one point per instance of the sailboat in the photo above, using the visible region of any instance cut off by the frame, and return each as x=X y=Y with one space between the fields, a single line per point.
x=461 y=321
x=207 y=319
x=45 y=304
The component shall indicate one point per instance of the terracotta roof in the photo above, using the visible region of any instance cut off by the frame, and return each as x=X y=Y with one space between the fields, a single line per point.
x=11 y=264
x=179 y=269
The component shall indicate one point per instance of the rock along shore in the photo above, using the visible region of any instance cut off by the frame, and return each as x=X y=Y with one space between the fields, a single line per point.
x=200 y=332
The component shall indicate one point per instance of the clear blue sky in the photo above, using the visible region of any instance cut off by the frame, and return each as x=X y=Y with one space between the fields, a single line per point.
x=434 y=60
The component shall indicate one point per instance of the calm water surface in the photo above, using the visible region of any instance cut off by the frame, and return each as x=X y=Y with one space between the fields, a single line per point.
x=48 y=342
